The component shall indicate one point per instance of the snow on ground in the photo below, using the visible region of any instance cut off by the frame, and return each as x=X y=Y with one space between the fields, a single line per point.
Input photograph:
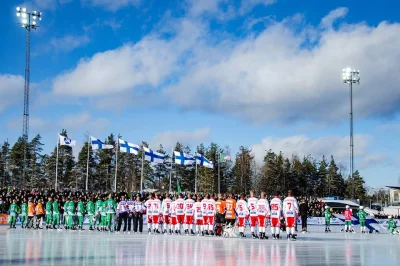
x=52 y=247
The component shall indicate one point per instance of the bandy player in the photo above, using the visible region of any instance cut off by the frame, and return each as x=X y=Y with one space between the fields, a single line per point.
x=155 y=211
x=179 y=207
x=198 y=216
x=252 y=206
x=263 y=211
x=204 y=209
x=290 y=212
x=149 y=214
x=242 y=213
x=211 y=214
x=188 y=209
x=276 y=212
x=165 y=209
x=174 y=222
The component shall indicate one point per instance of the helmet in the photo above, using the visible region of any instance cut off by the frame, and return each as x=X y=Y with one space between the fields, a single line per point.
x=390 y=217
x=347 y=207
x=326 y=207
x=361 y=207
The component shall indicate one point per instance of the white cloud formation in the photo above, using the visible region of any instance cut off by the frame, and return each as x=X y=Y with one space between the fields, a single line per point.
x=69 y=42
x=169 y=138
x=112 y=5
x=334 y=15
x=338 y=146
x=147 y=62
x=247 y=5
x=284 y=73
x=11 y=90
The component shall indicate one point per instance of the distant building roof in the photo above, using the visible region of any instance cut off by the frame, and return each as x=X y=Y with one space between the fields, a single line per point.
x=394 y=187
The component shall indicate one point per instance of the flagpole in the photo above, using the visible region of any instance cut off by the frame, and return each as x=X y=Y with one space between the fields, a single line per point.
x=195 y=178
x=87 y=164
x=116 y=166
x=170 y=174
x=58 y=141
x=141 y=175
x=219 y=180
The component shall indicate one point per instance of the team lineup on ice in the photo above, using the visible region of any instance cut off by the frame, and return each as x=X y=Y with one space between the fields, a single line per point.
x=199 y=216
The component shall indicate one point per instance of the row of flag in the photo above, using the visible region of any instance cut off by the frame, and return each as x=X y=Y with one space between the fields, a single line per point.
x=181 y=158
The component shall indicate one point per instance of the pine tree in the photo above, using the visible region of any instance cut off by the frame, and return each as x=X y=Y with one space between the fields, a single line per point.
x=34 y=158
x=161 y=171
x=359 y=189
x=82 y=165
x=335 y=182
x=16 y=166
x=323 y=177
x=4 y=164
x=242 y=171
x=105 y=168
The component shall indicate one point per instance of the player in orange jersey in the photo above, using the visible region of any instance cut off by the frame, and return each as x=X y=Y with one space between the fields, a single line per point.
x=230 y=206
x=220 y=215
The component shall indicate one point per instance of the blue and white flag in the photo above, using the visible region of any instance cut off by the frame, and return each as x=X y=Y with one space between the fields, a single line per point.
x=183 y=158
x=64 y=141
x=99 y=145
x=128 y=147
x=152 y=156
x=201 y=160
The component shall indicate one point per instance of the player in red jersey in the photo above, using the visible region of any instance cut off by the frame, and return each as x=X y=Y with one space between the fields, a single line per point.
x=252 y=206
x=198 y=215
x=180 y=215
x=276 y=213
x=290 y=212
x=156 y=211
x=263 y=212
x=242 y=213
x=149 y=215
x=211 y=211
x=188 y=209
x=165 y=210
x=174 y=220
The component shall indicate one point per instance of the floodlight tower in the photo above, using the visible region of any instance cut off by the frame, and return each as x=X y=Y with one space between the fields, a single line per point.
x=28 y=22
x=351 y=76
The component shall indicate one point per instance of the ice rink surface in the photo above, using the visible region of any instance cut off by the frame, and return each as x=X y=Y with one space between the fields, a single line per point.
x=52 y=247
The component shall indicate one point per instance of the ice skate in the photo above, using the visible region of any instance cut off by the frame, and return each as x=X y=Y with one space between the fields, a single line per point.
x=293 y=238
x=254 y=236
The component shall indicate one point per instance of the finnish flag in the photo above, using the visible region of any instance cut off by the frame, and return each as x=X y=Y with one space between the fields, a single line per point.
x=154 y=157
x=128 y=147
x=99 y=145
x=64 y=141
x=203 y=161
x=183 y=158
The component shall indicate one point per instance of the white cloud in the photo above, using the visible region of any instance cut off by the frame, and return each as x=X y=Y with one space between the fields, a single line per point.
x=69 y=42
x=169 y=138
x=147 y=62
x=334 y=15
x=11 y=90
x=247 y=5
x=285 y=73
x=112 y=5
x=34 y=122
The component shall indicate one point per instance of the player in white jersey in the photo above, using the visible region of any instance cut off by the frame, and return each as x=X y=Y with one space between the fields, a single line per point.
x=204 y=209
x=189 y=215
x=148 y=205
x=156 y=211
x=211 y=214
x=276 y=213
x=242 y=213
x=180 y=215
x=165 y=209
x=198 y=216
x=252 y=206
x=263 y=212
x=290 y=212
x=174 y=221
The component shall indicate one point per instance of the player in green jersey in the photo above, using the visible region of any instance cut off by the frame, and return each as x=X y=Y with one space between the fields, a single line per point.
x=98 y=208
x=66 y=216
x=103 y=215
x=90 y=209
x=111 y=208
x=49 y=213
x=362 y=217
x=391 y=225
x=71 y=210
x=24 y=214
x=56 y=214
x=328 y=216
x=80 y=211
x=13 y=212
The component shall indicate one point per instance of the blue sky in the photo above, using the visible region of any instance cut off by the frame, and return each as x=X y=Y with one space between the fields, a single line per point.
x=261 y=73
